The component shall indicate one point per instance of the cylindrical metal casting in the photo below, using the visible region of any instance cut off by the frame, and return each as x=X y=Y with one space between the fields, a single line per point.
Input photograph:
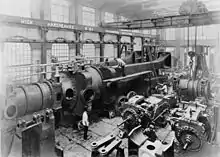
x=195 y=88
x=88 y=95
x=28 y=99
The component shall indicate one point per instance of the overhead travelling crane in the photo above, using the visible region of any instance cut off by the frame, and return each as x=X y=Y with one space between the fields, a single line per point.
x=53 y=25
x=209 y=18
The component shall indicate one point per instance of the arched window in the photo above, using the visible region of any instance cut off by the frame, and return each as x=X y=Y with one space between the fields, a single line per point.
x=18 y=57
x=60 y=11
x=88 y=15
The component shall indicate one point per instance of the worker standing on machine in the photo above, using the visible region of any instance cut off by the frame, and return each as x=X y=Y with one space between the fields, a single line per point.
x=121 y=64
x=106 y=62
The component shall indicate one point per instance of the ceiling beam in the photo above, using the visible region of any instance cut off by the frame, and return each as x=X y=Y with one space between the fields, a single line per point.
x=168 y=21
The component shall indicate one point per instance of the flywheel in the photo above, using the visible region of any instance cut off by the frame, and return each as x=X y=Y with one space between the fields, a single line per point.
x=131 y=117
x=189 y=138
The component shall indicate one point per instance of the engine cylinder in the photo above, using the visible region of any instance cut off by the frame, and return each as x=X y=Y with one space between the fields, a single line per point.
x=88 y=95
x=195 y=88
x=28 y=99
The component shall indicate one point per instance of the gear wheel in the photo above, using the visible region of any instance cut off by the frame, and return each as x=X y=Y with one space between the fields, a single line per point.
x=189 y=138
x=131 y=116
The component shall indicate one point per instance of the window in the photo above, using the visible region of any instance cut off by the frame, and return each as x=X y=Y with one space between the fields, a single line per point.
x=60 y=11
x=88 y=50
x=128 y=40
x=170 y=34
x=210 y=31
x=16 y=8
x=109 y=17
x=150 y=31
x=88 y=16
x=153 y=32
x=138 y=44
x=61 y=52
x=122 y=18
x=126 y=30
x=136 y=31
x=17 y=55
x=147 y=31
x=109 y=51
x=90 y=53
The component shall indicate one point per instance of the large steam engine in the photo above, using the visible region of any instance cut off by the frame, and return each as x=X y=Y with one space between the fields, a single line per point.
x=103 y=85
x=32 y=106
x=77 y=88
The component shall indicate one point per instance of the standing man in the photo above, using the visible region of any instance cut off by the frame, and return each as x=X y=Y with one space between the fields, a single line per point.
x=121 y=64
x=85 y=116
x=85 y=123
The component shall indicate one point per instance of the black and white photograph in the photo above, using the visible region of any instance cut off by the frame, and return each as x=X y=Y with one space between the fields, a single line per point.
x=110 y=78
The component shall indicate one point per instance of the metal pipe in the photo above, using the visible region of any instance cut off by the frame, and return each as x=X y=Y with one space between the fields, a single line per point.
x=50 y=64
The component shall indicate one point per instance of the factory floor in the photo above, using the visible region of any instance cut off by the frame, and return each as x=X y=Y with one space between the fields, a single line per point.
x=74 y=146
x=73 y=143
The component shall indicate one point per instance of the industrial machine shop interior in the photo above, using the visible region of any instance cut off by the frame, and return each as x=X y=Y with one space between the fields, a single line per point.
x=105 y=78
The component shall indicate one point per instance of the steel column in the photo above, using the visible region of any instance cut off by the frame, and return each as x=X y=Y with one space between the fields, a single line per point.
x=101 y=35
x=77 y=34
x=119 y=46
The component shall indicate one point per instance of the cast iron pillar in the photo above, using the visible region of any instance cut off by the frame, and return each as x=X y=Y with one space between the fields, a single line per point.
x=101 y=35
x=119 y=46
x=77 y=34
x=132 y=43
x=142 y=49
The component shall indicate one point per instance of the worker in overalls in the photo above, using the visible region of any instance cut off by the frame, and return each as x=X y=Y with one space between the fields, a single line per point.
x=121 y=64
